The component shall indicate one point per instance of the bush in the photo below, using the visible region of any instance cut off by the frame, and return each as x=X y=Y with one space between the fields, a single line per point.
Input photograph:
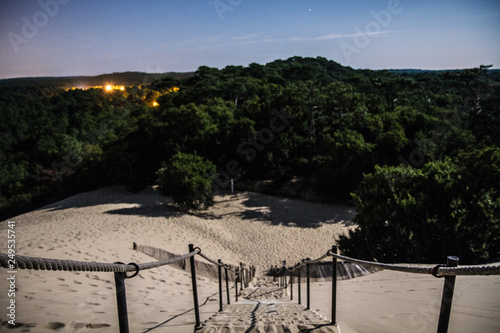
x=188 y=179
x=449 y=207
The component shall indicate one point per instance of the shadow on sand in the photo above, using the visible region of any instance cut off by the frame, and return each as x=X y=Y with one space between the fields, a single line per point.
x=282 y=211
x=247 y=206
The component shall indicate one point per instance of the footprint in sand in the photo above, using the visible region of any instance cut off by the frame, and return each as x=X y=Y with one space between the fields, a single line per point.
x=77 y=326
x=97 y=325
x=77 y=282
x=55 y=326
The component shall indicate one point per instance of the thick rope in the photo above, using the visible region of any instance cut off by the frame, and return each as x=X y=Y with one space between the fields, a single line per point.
x=24 y=262
x=461 y=270
x=221 y=264
x=210 y=260
x=154 y=264
x=307 y=261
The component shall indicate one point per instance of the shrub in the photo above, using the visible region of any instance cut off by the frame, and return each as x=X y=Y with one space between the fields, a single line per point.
x=188 y=179
x=449 y=207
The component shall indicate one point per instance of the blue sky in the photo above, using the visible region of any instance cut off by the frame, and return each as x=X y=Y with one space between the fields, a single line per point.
x=77 y=37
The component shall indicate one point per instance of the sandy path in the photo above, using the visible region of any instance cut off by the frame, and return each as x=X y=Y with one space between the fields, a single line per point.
x=258 y=229
x=102 y=225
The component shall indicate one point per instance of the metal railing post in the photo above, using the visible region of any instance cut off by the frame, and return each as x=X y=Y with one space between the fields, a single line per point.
x=220 y=284
x=242 y=273
x=121 y=301
x=447 y=298
x=195 y=289
x=299 y=280
x=285 y=284
x=237 y=273
x=334 y=286
x=308 y=287
x=227 y=286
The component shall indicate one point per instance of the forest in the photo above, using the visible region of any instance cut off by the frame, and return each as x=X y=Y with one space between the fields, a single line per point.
x=416 y=152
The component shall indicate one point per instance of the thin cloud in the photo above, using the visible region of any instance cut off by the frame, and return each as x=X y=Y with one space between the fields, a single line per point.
x=322 y=38
x=245 y=37
x=334 y=36
x=252 y=38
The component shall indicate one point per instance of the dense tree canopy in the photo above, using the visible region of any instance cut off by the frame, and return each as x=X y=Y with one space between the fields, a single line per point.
x=396 y=138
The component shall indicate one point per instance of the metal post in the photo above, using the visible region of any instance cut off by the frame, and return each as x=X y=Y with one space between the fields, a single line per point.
x=220 y=284
x=308 y=288
x=241 y=276
x=227 y=286
x=121 y=301
x=284 y=274
x=300 y=268
x=195 y=290
x=447 y=298
x=291 y=286
x=237 y=273
x=334 y=286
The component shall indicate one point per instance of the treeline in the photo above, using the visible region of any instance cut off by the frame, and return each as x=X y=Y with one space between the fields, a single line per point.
x=394 y=139
x=125 y=78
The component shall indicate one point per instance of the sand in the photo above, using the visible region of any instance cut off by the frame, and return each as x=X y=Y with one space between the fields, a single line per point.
x=253 y=228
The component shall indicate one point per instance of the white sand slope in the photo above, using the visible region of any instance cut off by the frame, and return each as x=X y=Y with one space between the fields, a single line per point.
x=253 y=228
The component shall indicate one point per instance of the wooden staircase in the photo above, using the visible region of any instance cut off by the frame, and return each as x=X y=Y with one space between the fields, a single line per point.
x=266 y=308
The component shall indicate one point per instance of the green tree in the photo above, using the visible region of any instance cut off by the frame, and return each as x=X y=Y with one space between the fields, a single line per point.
x=449 y=207
x=188 y=178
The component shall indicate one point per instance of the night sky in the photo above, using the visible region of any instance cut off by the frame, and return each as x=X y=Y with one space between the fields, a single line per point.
x=76 y=37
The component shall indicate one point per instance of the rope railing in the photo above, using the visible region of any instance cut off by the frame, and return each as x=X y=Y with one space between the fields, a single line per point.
x=439 y=270
x=244 y=274
x=448 y=271
x=36 y=263
x=120 y=271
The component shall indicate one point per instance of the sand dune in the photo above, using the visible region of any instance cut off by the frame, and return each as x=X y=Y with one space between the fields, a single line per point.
x=253 y=228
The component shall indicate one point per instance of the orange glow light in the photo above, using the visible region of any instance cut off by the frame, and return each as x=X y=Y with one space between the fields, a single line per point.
x=155 y=104
x=109 y=87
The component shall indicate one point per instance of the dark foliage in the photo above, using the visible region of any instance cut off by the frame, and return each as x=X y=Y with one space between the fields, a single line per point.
x=307 y=118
